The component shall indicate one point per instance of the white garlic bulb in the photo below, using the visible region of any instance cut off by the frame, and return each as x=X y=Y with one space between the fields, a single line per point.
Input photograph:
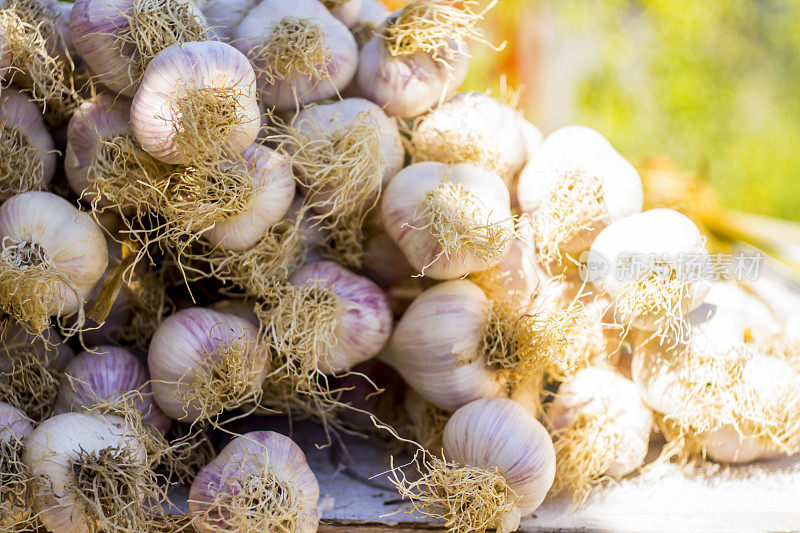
x=108 y=374
x=383 y=262
x=80 y=459
x=273 y=192
x=52 y=256
x=347 y=11
x=648 y=274
x=196 y=100
x=95 y=122
x=15 y=513
x=260 y=481
x=26 y=147
x=223 y=16
x=371 y=16
x=476 y=128
x=417 y=57
x=575 y=186
x=301 y=52
x=437 y=346
x=600 y=427
x=202 y=362
x=449 y=220
x=118 y=38
x=499 y=458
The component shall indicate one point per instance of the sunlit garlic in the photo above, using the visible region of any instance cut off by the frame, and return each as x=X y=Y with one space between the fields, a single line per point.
x=497 y=468
x=119 y=38
x=52 y=256
x=300 y=51
x=203 y=362
x=197 y=101
x=260 y=481
x=575 y=186
x=600 y=427
x=27 y=154
x=449 y=220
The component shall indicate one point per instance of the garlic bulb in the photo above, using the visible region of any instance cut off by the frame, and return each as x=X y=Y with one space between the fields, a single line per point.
x=383 y=262
x=498 y=457
x=654 y=265
x=371 y=16
x=417 y=56
x=48 y=345
x=84 y=464
x=439 y=346
x=575 y=186
x=52 y=256
x=109 y=375
x=260 y=481
x=119 y=38
x=197 y=101
x=329 y=318
x=347 y=11
x=300 y=51
x=27 y=152
x=223 y=16
x=449 y=220
x=273 y=188
x=202 y=362
x=600 y=427
x=15 y=512
x=479 y=129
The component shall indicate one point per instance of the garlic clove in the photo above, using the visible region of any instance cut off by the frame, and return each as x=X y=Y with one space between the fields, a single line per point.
x=26 y=147
x=273 y=192
x=301 y=53
x=169 y=114
x=449 y=220
x=270 y=470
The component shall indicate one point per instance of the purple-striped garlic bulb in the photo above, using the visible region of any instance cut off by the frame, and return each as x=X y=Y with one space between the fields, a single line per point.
x=203 y=362
x=476 y=128
x=119 y=38
x=15 y=514
x=327 y=319
x=418 y=56
x=653 y=266
x=83 y=463
x=197 y=102
x=600 y=427
x=497 y=456
x=27 y=153
x=260 y=481
x=575 y=186
x=449 y=220
x=300 y=51
x=112 y=378
x=224 y=16
x=51 y=256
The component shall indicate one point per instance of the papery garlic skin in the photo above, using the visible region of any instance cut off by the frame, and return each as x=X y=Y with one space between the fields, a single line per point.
x=346 y=11
x=106 y=374
x=50 y=451
x=49 y=345
x=602 y=394
x=364 y=318
x=182 y=344
x=224 y=16
x=663 y=234
x=72 y=240
x=435 y=346
x=756 y=317
x=289 y=90
x=383 y=262
x=500 y=433
x=95 y=26
x=18 y=114
x=490 y=132
x=273 y=192
x=372 y=14
x=173 y=75
x=14 y=425
x=100 y=119
x=252 y=455
x=316 y=121
x=405 y=198
x=407 y=86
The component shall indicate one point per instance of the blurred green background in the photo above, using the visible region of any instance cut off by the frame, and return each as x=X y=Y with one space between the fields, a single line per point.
x=711 y=84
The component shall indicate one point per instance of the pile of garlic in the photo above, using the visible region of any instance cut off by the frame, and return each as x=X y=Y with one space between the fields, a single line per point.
x=238 y=207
